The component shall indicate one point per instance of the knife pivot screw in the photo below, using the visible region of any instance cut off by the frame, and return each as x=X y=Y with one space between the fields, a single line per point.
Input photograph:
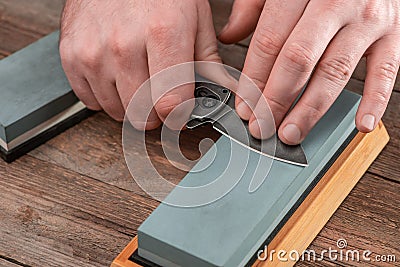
x=209 y=102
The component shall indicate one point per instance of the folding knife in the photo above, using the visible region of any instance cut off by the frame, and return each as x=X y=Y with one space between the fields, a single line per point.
x=216 y=105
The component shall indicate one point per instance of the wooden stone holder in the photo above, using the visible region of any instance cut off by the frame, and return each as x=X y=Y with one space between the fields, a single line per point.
x=315 y=211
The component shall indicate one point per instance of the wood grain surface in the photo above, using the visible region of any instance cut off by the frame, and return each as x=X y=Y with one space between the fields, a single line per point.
x=72 y=201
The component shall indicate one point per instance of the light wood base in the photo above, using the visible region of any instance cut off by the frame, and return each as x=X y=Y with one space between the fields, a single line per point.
x=123 y=259
x=315 y=211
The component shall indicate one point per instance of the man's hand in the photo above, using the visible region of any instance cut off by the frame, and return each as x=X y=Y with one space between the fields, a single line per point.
x=109 y=48
x=320 y=40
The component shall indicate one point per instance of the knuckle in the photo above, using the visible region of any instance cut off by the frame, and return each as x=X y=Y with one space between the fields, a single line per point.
x=277 y=105
x=387 y=71
x=161 y=29
x=380 y=98
x=260 y=83
x=337 y=70
x=334 y=5
x=299 y=58
x=120 y=47
x=313 y=110
x=90 y=57
x=373 y=11
x=210 y=53
x=267 y=42
x=66 y=54
x=163 y=36
x=317 y=106
x=333 y=9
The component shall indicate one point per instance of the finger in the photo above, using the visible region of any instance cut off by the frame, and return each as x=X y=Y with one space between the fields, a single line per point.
x=83 y=91
x=133 y=75
x=101 y=78
x=382 y=68
x=267 y=41
x=242 y=21
x=296 y=61
x=78 y=83
x=169 y=45
x=106 y=94
x=329 y=78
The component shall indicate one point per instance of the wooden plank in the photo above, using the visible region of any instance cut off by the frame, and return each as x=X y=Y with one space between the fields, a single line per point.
x=53 y=216
x=66 y=187
x=373 y=211
x=323 y=263
x=34 y=235
x=95 y=149
x=25 y=21
x=6 y=263
x=377 y=213
x=39 y=16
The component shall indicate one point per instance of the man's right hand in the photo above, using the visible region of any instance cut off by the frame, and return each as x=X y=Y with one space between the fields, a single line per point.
x=109 y=48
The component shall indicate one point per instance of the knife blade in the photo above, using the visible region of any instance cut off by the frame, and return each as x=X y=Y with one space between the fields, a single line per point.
x=216 y=105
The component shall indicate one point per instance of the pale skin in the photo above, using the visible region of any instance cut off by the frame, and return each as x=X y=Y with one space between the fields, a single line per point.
x=109 y=48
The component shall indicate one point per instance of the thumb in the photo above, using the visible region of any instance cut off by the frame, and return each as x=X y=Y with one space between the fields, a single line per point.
x=242 y=22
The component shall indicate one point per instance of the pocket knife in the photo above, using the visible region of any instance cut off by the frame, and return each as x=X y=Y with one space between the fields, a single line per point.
x=215 y=104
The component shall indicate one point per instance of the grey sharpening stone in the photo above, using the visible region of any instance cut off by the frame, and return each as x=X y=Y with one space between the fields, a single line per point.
x=229 y=231
x=33 y=90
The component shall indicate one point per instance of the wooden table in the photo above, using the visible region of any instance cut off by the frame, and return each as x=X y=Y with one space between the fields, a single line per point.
x=72 y=201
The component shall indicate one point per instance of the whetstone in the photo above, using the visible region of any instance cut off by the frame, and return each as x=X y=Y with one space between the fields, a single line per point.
x=315 y=211
x=230 y=231
x=36 y=100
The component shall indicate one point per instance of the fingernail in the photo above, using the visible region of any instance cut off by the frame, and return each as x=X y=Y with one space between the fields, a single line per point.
x=262 y=129
x=368 y=121
x=292 y=133
x=244 y=111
